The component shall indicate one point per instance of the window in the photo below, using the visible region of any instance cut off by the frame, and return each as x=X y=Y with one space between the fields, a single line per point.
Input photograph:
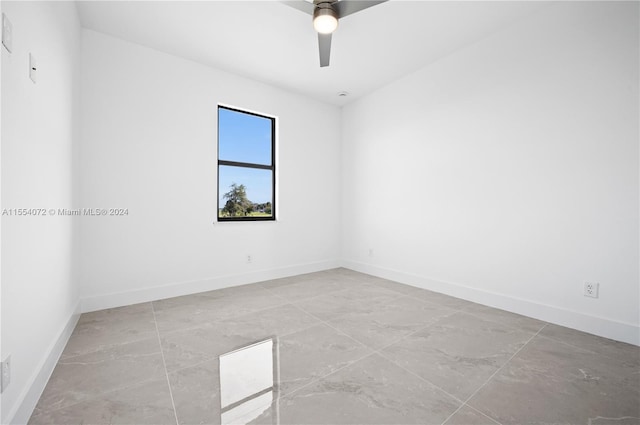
x=246 y=166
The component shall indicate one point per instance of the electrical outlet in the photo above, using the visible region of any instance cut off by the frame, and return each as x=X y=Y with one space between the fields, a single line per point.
x=249 y=259
x=370 y=252
x=591 y=289
x=6 y=373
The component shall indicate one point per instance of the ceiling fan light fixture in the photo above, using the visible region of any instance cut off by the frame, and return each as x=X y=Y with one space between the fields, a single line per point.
x=325 y=19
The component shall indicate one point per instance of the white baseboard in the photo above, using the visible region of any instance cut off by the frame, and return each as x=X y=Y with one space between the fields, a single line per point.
x=619 y=331
x=119 y=299
x=33 y=390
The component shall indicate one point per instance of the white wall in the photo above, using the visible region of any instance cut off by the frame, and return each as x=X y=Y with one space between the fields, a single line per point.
x=1 y=204
x=507 y=173
x=149 y=145
x=39 y=292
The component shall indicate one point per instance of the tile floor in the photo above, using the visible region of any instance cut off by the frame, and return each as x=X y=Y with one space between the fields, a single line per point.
x=335 y=347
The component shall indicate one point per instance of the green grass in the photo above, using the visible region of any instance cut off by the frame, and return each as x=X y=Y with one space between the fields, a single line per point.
x=252 y=214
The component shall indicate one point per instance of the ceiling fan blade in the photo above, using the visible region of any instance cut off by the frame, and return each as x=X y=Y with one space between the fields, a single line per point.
x=301 y=5
x=324 y=43
x=348 y=7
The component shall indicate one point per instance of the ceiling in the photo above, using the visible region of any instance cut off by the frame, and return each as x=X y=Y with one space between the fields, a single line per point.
x=274 y=43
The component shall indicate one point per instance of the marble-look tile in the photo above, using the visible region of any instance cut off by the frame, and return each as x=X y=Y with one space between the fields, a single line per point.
x=191 y=346
x=302 y=357
x=370 y=391
x=390 y=321
x=459 y=352
x=441 y=299
x=181 y=301
x=394 y=286
x=306 y=289
x=381 y=282
x=619 y=350
x=326 y=275
x=196 y=393
x=277 y=321
x=551 y=382
x=214 y=309
x=348 y=273
x=615 y=421
x=335 y=304
x=313 y=353
x=516 y=320
x=234 y=293
x=88 y=375
x=112 y=370
x=469 y=416
x=101 y=329
x=147 y=403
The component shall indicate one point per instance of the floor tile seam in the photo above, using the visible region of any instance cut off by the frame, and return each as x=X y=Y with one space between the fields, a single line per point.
x=339 y=330
x=288 y=301
x=483 y=414
x=320 y=378
x=465 y=309
x=213 y=323
x=401 y=295
x=164 y=364
x=311 y=297
x=517 y=328
x=379 y=349
x=323 y=294
x=327 y=323
x=216 y=357
x=501 y=367
x=611 y=357
x=282 y=395
x=376 y=351
x=198 y=300
x=474 y=409
x=423 y=379
x=117 y=320
x=202 y=300
x=436 y=303
x=333 y=327
x=295 y=303
x=63 y=360
x=505 y=323
x=354 y=362
x=99 y=396
x=384 y=287
x=202 y=326
x=420 y=329
x=379 y=352
x=95 y=312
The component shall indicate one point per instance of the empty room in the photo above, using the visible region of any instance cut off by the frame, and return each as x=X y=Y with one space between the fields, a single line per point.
x=320 y=212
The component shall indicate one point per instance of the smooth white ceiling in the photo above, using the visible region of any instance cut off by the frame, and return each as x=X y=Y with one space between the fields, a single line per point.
x=274 y=43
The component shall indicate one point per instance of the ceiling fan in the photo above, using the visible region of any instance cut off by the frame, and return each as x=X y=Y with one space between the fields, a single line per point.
x=325 y=18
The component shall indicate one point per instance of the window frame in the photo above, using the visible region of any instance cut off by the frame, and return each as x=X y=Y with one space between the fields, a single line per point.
x=271 y=167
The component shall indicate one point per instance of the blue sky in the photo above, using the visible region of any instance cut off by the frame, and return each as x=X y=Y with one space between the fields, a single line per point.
x=245 y=138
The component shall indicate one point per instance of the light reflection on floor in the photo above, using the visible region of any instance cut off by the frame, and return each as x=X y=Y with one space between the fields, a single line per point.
x=248 y=380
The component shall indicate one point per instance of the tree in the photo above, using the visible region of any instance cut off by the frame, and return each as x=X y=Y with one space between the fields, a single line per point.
x=237 y=204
